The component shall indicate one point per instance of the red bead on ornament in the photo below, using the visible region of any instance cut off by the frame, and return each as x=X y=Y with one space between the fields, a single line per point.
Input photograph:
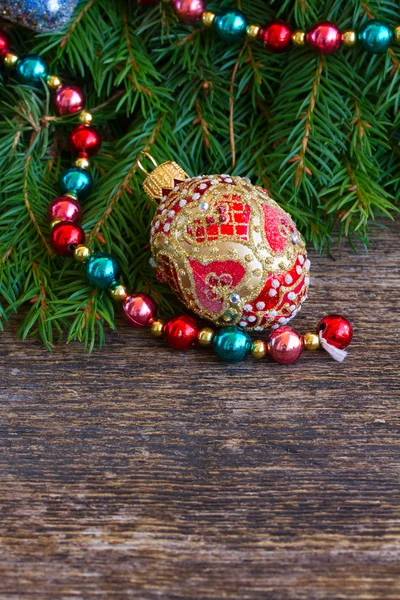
x=181 y=332
x=65 y=237
x=69 y=99
x=189 y=11
x=4 y=43
x=277 y=37
x=324 y=37
x=84 y=139
x=65 y=209
x=336 y=330
x=139 y=310
x=285 y=345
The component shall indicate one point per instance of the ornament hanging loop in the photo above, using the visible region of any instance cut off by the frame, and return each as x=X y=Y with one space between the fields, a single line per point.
x=151 y=158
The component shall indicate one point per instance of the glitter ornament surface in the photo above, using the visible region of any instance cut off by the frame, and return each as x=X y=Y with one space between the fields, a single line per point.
x=229 y=252
x=39 y=15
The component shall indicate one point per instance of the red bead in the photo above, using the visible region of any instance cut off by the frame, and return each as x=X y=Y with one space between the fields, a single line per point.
x=285 y=345
x=4 y=43
x=84 y=139
x=65 y=237
x=69 y=99
x=65 y=208
x=336 y=330
x=277 y=36
x=189 y=11
x=324 y=37
x=139 y=310
x=181 y=332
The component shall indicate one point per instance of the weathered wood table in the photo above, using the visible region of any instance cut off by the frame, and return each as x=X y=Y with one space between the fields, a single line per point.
x=139 y=472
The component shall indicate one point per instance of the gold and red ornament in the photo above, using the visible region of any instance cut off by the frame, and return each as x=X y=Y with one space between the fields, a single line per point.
x=227 y=250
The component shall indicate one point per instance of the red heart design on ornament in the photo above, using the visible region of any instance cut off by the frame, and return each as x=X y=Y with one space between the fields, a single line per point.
x=216 y=276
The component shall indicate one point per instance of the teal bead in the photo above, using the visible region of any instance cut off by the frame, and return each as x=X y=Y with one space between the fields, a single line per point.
x=375 y=37
x=231 y=25
x=102 y=270
x=75 y=181
x=232 y=344
x=31 y=69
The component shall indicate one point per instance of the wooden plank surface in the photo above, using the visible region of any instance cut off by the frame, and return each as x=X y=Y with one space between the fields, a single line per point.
x=139 y=472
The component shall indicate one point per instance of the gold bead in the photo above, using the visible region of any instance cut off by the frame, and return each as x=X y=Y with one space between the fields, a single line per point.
x=349 y=38
x=55 y=222
x=10 y=59
x=397 y=33
x=54 y=82
x=311 y=341
x=206 y=336
x=81 y=253
x=82 y=162
x=208 y=18
x=259 y=349
x=119 y=293
x=73 y=196
x=157 y=328
x=253 y=32
x=299 y=38
x=85 y=117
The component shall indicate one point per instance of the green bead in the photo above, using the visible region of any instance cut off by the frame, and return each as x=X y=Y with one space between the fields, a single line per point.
x=231 y=25
x=375 y=36
x=75 y=181
x=102 y=270
x=31 y=69
x=232 y=344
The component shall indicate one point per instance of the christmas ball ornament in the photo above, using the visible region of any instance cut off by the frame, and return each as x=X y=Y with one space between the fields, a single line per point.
x=139 y=310
x=181 y=332
x=231 y=25
x=375 y=37
x=277 y=37
x=65 y=237
x=75 y=181
x=69 y=99
x=4 y=43
x=84 y=139
x=31 y=69
x=102 y=270
x=336 y=330
x=227 y=250
x=285 y=345
x=232 y=344
x=324 y=37
x=40 y=15
x=65 y=208
x=189 y=11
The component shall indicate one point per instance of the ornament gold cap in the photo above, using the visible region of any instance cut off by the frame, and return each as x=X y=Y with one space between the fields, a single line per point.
x=164 y=177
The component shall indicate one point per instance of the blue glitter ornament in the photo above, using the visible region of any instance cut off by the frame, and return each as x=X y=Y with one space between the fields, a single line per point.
x=40 y=15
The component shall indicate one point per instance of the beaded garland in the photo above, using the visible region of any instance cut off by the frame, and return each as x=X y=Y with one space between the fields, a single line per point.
x=279 y=36
x=232 y=344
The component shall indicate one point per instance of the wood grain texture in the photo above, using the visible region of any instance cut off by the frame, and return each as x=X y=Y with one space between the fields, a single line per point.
x=139 y=472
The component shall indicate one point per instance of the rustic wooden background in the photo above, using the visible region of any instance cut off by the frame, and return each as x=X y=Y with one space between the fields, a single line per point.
x=142 y=473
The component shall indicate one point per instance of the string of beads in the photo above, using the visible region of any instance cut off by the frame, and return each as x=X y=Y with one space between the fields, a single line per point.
x=279 y=36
